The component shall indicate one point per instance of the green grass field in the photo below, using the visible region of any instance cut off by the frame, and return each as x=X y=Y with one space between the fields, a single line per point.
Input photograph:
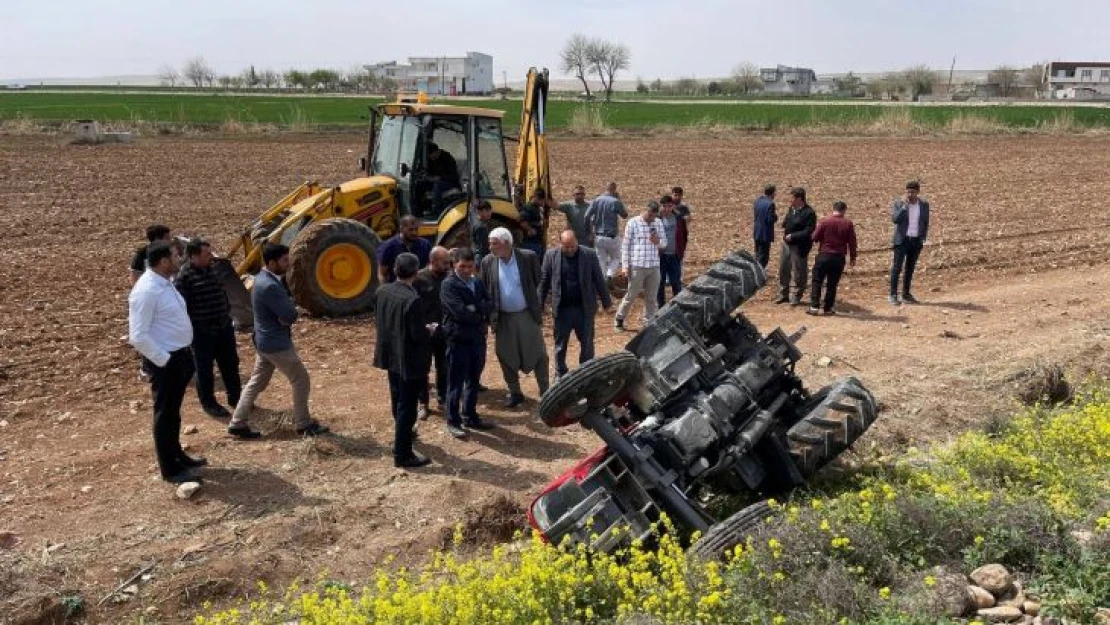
x=325 y=111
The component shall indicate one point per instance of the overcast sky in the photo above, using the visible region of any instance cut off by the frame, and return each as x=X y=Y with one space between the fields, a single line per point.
x=669 y=39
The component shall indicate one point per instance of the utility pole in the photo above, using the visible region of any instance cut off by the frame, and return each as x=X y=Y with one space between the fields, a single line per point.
x=951 y=72
x=505 y=79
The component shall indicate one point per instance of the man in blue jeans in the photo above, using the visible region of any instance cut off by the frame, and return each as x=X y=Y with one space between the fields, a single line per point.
x=465 y=315
x=910 y=215
x=670 y=262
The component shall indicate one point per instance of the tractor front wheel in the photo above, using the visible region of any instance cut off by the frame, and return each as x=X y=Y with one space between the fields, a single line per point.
x=334 y=269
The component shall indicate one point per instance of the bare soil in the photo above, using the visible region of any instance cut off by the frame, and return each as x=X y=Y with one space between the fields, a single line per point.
x=1014 y=276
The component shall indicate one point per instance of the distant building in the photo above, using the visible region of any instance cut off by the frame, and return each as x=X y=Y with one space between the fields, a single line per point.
x=440 y=75
x=788 y=80
x=1070 y=80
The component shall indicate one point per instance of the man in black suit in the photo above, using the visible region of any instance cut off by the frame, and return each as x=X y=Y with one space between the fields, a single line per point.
x=571 y=274
x=404 y=350
x=465 y=312
x=910 y=215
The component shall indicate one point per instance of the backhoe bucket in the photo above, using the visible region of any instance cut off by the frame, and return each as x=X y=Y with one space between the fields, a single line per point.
x=242 y=314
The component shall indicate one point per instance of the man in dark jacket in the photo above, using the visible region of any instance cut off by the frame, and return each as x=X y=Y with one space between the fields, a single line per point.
x=465 y=313
x=571 y=275
x=797 y=226
x=911 y=225
x=763 y=224
x=213 y=334
x=427 y=285
x=836 y=239
x=403 y=349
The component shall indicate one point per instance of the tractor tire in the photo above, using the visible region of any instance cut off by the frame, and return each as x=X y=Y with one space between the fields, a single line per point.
x=724 y=536
x=595 y=384
x=334 y=269
x=711 y=298
x=840 y=414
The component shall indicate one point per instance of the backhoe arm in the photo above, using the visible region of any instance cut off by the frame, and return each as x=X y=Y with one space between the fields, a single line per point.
x=532 y=168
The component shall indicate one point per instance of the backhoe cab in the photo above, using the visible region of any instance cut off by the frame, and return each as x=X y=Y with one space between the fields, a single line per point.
x=426 y=160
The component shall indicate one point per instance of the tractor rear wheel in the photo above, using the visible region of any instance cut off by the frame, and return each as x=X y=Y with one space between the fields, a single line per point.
x=724 y=536
x=593 y=385
x=726 y=285
x=840 y=414
x=334 y=269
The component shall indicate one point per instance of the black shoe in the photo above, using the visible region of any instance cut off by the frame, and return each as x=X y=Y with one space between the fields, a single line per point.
x=782 y=300
x=313 y=429
x=482 y=388
x=244 y=433
x=456 y=431
x=514 y=400
x=893 y=299
x=478 y=424
x=183 y=477
x=216 y=411
x=415 y=461
x=618 y=325
x=909 y=298
x=830 y=312
x=795 y=301
x=192 y=463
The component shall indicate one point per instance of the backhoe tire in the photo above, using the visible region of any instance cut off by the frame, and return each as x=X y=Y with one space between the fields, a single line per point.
x=724 y=536
x=841 y=413
x=711 y=298
x=334 y=269
x=593 y=385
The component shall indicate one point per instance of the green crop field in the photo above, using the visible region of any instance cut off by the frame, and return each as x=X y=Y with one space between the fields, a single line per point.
x=336 y=111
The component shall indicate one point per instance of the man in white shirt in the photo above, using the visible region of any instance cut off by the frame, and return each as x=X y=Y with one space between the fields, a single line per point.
x=159 y=328
x=910 y=215
x=644 y=238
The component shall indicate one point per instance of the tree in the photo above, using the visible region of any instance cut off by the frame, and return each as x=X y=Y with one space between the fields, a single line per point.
x=225 y=81
x=686 y=86
x=657 y=85
x=575 y=58
x=250 y=78
x=641 y=88
x=295 y=79
x=198 y=72
x=326 y=79
x=713 y=88
x=168 y=76
x=607 y=59
x=849 y=85
x=1006 y=78
x=746 y=79
x=1034 y=75
x=920 y=80
x=269 y=78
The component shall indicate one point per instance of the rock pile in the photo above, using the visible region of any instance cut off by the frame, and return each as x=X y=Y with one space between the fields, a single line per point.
x=997 y=597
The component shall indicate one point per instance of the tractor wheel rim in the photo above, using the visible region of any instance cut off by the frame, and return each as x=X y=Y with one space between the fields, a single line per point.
x=343 y=271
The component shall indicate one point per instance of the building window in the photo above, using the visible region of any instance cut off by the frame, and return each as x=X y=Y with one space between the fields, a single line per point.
x=1086 y=74
x=1105 y=75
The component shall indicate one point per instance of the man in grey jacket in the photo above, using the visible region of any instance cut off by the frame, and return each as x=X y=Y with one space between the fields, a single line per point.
x=571 y=275
x=274 y=315
x=910 y=215
x=603 y=216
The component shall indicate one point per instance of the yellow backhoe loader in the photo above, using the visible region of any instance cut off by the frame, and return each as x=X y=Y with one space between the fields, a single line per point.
x=333 y=233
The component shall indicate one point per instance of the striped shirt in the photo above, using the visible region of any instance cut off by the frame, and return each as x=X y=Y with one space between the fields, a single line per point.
x=637 y=250
x=204 y=297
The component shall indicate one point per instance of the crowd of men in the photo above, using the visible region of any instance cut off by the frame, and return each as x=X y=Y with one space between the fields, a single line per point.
x=436 y=307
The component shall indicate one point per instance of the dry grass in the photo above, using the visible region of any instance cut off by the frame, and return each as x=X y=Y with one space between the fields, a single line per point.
x=298 y=120
x=588 y=120
x=21 y=124
x=968 y=124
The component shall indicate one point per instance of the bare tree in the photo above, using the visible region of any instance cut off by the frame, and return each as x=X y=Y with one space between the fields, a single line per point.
x=1034 y=75
x=225 y=81
x=198 y=72
x=269 y=78
x=575 y=58
x=920 y=80
x=607 y=59
x=168 y=76
x=1006 y=78
x=745 y=77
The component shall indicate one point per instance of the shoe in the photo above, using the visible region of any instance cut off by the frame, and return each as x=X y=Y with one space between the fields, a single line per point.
x=482 y=388
x=909 y=298
x=422 y=412
x=893 y=299
x=216 y=411
x=478 y=424
x=618 y=324
x=514 y=400
x=244 y=433
x=830 y=312
x=183 y=477
x=415 y=461
x=813 y=311
x=795 y=301
x=456 y=431
x=313 y=429
x=782 y=300
x=193 y=463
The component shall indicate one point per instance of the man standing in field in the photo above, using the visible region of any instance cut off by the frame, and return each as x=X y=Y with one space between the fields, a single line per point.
x=763 y=224
x=407 y=240
x=836 y=238
x=911 y=225
x=644 y=238
x=154 y=232
x=428 y=283
x=604 y=216
x=670 y=263
x=465 y=313
x=572 y=276
x=683 y=214
x=797 y=226
x=575 y=212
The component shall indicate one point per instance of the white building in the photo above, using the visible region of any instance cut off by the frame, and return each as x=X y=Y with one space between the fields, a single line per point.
x=440 y=75
x=788 y=80
x=1069 y=80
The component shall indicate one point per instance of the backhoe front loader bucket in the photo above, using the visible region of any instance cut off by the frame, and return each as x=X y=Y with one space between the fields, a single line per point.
x=242 y=314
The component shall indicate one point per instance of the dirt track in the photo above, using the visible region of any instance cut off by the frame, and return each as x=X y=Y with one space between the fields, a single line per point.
x=1015 y=273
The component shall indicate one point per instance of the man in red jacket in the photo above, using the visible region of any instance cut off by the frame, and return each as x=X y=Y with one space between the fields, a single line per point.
x=836 y=236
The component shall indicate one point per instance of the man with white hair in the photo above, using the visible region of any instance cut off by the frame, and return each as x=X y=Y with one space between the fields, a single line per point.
x=511 y=277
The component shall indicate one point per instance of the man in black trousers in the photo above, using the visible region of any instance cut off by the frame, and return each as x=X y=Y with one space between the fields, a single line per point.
x=571 y=275
x=404 y=350
x=428 y=283
x=910 y=215
x=159 y=328
x=213 y=333
x=466 y=309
